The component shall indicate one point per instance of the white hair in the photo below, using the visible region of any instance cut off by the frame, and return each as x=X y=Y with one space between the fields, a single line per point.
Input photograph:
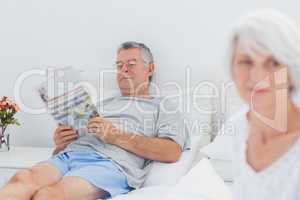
x=269 y=31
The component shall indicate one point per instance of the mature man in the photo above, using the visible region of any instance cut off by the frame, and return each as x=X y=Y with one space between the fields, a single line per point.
x=113 y=156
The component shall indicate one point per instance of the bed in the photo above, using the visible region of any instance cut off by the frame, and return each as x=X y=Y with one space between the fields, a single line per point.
x=201 y=183
x=192 y=177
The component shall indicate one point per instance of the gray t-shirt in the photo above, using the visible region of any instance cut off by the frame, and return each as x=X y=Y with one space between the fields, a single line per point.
x=156 y=117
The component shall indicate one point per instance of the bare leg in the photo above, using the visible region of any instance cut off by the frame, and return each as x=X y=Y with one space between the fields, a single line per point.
x=25 y=183
x=70 y=188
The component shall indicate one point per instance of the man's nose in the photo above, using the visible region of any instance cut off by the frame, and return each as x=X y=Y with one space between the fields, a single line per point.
x=123 y=71
x=124 y=68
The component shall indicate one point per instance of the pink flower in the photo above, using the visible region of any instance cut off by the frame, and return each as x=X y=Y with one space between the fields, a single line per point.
x=6 y=103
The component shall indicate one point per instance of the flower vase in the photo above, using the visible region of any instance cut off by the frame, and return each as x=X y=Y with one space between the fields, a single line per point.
x=4 y=139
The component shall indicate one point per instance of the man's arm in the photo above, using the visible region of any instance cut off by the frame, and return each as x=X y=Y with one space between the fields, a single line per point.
x=158 y=149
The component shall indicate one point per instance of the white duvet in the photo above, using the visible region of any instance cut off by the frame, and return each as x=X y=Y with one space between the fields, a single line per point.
x=201 y=183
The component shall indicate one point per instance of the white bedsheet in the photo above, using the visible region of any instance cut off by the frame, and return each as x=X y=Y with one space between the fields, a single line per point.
x=201 y=183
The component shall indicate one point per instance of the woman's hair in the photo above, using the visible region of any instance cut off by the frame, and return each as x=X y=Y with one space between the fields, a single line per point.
x=269 y=31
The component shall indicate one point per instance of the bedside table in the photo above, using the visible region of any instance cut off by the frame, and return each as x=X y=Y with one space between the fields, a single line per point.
x=20 y=158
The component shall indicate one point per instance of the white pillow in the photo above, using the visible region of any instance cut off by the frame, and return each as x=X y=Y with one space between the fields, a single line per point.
x=202 y=182
x=222 y=146
x=170 y=173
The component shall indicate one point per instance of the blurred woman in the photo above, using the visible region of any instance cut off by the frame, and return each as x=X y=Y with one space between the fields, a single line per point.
x=265 y=66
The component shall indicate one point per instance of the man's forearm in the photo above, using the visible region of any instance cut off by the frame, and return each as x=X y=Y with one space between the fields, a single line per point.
x=158 y=149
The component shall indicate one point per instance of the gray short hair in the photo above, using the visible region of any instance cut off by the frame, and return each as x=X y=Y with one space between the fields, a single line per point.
x=145 y=51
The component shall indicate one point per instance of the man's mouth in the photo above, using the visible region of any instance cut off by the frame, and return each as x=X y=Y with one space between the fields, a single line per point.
x=126 y=77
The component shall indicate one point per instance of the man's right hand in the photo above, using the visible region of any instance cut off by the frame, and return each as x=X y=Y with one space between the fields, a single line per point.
x=63 y=136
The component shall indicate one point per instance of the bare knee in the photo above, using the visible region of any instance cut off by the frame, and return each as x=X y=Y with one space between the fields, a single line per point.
x=49 y=193
x=23 y=176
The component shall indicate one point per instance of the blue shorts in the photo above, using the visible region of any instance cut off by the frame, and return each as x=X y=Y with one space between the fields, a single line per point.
x=90 y=166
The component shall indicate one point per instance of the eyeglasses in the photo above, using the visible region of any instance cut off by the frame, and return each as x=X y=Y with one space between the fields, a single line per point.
x=130 y=64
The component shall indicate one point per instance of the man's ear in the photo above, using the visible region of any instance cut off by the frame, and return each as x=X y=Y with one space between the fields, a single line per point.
x=151 y=69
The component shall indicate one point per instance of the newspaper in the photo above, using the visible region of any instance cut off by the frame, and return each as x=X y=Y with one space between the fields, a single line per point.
x=72 y=106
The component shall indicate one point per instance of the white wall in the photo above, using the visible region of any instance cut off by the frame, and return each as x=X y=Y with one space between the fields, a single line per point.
x=85 y=33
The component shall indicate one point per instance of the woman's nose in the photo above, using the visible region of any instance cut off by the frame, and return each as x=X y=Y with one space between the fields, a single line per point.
x=257 y=74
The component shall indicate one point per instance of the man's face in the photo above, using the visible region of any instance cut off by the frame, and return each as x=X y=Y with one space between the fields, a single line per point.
x=133 y=73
